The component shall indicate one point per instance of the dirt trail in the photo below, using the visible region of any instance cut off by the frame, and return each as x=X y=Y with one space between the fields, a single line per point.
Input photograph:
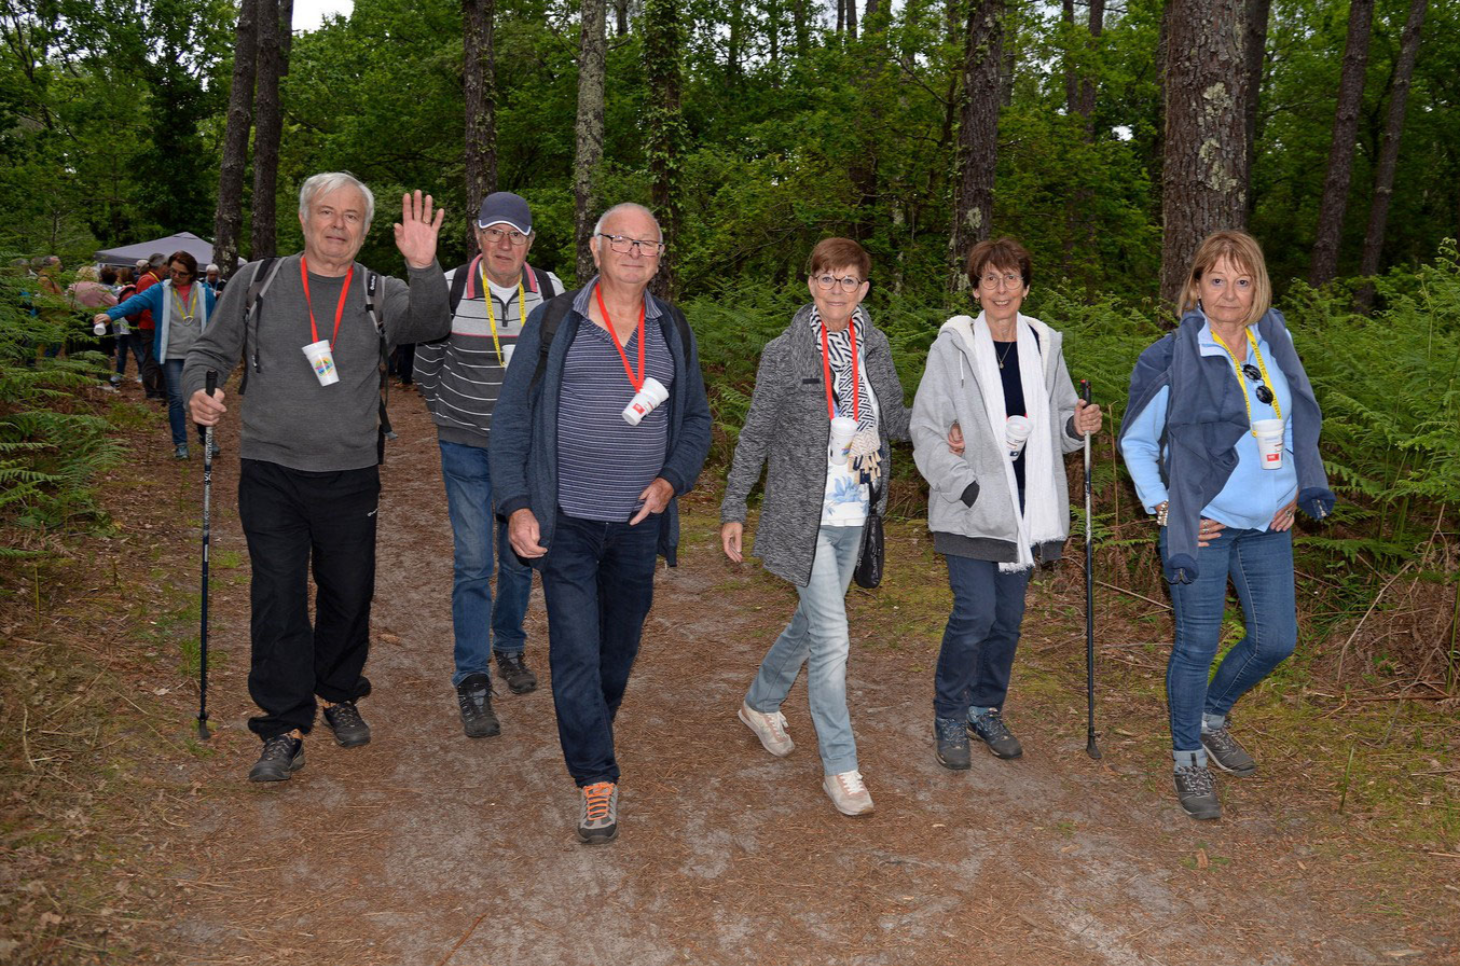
x=427 y=848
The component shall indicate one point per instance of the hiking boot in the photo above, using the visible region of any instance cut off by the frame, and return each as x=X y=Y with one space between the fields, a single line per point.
x=599 y=821
x=181 y=453
x=344 y=720
x=952 y=741
x=769 y=728
x=474 y=697
x=848 y=793
x=991 y=729
x=283 y=755
x=1197 y=793
x=514 y=671
x=1224 y=752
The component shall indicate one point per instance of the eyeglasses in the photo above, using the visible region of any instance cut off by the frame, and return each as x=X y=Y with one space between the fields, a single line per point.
x=847 y=283
x=179 y=273
x=515 y=238
x=1264 y=394
x=1010 y=279
x=623 y=244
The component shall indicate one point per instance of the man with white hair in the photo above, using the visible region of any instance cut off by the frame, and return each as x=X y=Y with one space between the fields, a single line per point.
x=313 y=436
x=212 y=277
x=589 y=485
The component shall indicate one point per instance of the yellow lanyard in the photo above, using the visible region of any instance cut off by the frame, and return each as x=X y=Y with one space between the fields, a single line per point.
x=1242 y=380
x=492 y=311
x=186 y=313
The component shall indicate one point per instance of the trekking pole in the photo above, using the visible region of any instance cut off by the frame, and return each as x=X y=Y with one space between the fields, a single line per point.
x=1091 y=749
x=211 y=384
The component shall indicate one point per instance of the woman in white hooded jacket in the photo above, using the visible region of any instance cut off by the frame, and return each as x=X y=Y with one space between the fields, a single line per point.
x=998 y=508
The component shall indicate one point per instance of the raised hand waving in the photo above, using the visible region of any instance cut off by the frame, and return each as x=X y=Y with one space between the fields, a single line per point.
x=418 y=229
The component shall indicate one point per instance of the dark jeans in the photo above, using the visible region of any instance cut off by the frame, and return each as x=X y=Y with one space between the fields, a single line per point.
x=292 y=519
x=151 y=370
x=1260 y=565
x=598 y=581
x=981 y=636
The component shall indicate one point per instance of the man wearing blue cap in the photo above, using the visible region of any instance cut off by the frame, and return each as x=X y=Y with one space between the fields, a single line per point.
x=460 y=378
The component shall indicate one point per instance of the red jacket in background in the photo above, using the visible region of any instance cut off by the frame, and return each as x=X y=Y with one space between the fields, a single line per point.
x=144 y=318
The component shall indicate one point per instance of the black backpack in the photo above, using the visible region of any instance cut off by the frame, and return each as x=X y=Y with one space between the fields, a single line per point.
x=462 y=276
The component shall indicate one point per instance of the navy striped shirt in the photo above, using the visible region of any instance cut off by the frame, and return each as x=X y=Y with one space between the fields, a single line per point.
x=603 y=462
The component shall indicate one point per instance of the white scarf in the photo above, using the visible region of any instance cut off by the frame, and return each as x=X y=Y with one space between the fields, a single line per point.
x=1038 y=524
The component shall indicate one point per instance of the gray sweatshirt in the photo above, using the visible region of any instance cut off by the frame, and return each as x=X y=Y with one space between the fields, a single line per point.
x=949 y=393
x=288 y=417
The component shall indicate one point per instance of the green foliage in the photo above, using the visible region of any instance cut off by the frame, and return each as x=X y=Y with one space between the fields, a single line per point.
x=51 y=445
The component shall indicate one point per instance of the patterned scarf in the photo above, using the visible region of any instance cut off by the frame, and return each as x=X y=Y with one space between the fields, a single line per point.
x=839 y=345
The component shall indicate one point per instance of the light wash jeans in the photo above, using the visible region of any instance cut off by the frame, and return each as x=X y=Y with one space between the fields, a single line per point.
x=475 y=616
x=817 y=637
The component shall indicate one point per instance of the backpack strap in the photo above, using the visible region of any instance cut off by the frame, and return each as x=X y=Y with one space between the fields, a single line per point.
x=372 y=283
x=544 y=283
x=263 y=277
x=458 y=284
x=552 y=317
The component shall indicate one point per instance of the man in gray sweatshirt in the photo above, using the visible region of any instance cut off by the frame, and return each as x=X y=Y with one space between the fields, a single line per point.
x=309 y=482
x=460 y=377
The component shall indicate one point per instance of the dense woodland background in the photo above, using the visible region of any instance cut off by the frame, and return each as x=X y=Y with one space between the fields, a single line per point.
x=1108 y=137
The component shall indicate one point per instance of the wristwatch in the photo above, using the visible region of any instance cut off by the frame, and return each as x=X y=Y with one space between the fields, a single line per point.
x=1162 y=509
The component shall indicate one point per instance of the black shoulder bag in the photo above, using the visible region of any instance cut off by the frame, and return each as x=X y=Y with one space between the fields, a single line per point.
x=869 y=568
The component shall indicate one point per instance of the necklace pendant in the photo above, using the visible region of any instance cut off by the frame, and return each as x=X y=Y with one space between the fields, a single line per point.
x=1001 y=365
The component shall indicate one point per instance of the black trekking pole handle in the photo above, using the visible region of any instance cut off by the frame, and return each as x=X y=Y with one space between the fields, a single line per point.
x=210 y=385
x=1091 y=748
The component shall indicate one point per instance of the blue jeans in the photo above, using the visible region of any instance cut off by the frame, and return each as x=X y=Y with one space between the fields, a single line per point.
x=473 y=611
x=1260 y=564
x=172 y=371
x=598 y=581
x=818 y=638
x=980 y=638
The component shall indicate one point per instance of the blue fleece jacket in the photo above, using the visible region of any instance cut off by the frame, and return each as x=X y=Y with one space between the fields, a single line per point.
x=523 y=456
x=155 y=298
x=1205 y=428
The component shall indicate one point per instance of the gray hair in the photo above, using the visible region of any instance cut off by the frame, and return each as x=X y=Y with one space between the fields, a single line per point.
x=319 y=184
x=626 y=206
x=157 y=259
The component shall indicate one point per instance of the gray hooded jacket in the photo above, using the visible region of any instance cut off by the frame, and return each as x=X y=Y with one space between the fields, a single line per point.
x=787 y=425
x=950 y=393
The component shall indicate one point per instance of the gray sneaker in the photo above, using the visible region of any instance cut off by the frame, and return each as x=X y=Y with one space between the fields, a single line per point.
x=1197 y=793
x=599 y=821
x=991 y=729
x=1224 y=752
x=952 y=743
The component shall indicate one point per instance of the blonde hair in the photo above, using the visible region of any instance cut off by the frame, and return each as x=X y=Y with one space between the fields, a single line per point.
x=1242 y=250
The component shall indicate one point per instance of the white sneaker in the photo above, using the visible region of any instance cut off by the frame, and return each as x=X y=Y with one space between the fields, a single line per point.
x=848 y=793
x=769 y=728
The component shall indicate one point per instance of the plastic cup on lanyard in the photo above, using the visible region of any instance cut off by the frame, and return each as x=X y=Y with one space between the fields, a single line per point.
x=1269 y=433
x=323 y=361
x=1016 y=433
x=843 y=431
x=645 y=401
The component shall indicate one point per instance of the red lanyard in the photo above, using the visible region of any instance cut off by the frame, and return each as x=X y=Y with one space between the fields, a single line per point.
x=636 y=381
x=826 y=369
x=339 y=309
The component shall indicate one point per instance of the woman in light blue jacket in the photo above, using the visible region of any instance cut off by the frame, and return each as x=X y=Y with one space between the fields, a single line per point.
x=995 y=509
x=181 y=305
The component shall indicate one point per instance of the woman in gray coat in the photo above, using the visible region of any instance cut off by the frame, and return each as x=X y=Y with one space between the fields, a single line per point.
x=1001 y=505
x=831 y=362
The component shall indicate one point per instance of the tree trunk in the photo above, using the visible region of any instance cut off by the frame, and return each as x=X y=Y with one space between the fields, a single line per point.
x=664 y=137
x=268 y=128
x=228 y=219
x=1341 y=152
x=286 y=35
x=620 y=18
x=841 y=16
x=1204 y=171
x=851 y=19
x=1389 y=153
x=869 y=11
x=1072 y=79
x=801 y=28
x=592 y=51
x=1259 y=12
x=978 y=132
x=479 y=81
x=1086 y=105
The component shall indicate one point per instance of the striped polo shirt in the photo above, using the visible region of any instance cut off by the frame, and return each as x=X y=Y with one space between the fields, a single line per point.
x=603 y=462
x=461 y=376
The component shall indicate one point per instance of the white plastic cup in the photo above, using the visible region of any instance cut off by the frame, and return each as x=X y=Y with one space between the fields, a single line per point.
x=645 y=401
x=99 y=328
x=843 y=431
x=507 y=351
x=1270 y=442
x=1016 y=433
x=323 y=361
